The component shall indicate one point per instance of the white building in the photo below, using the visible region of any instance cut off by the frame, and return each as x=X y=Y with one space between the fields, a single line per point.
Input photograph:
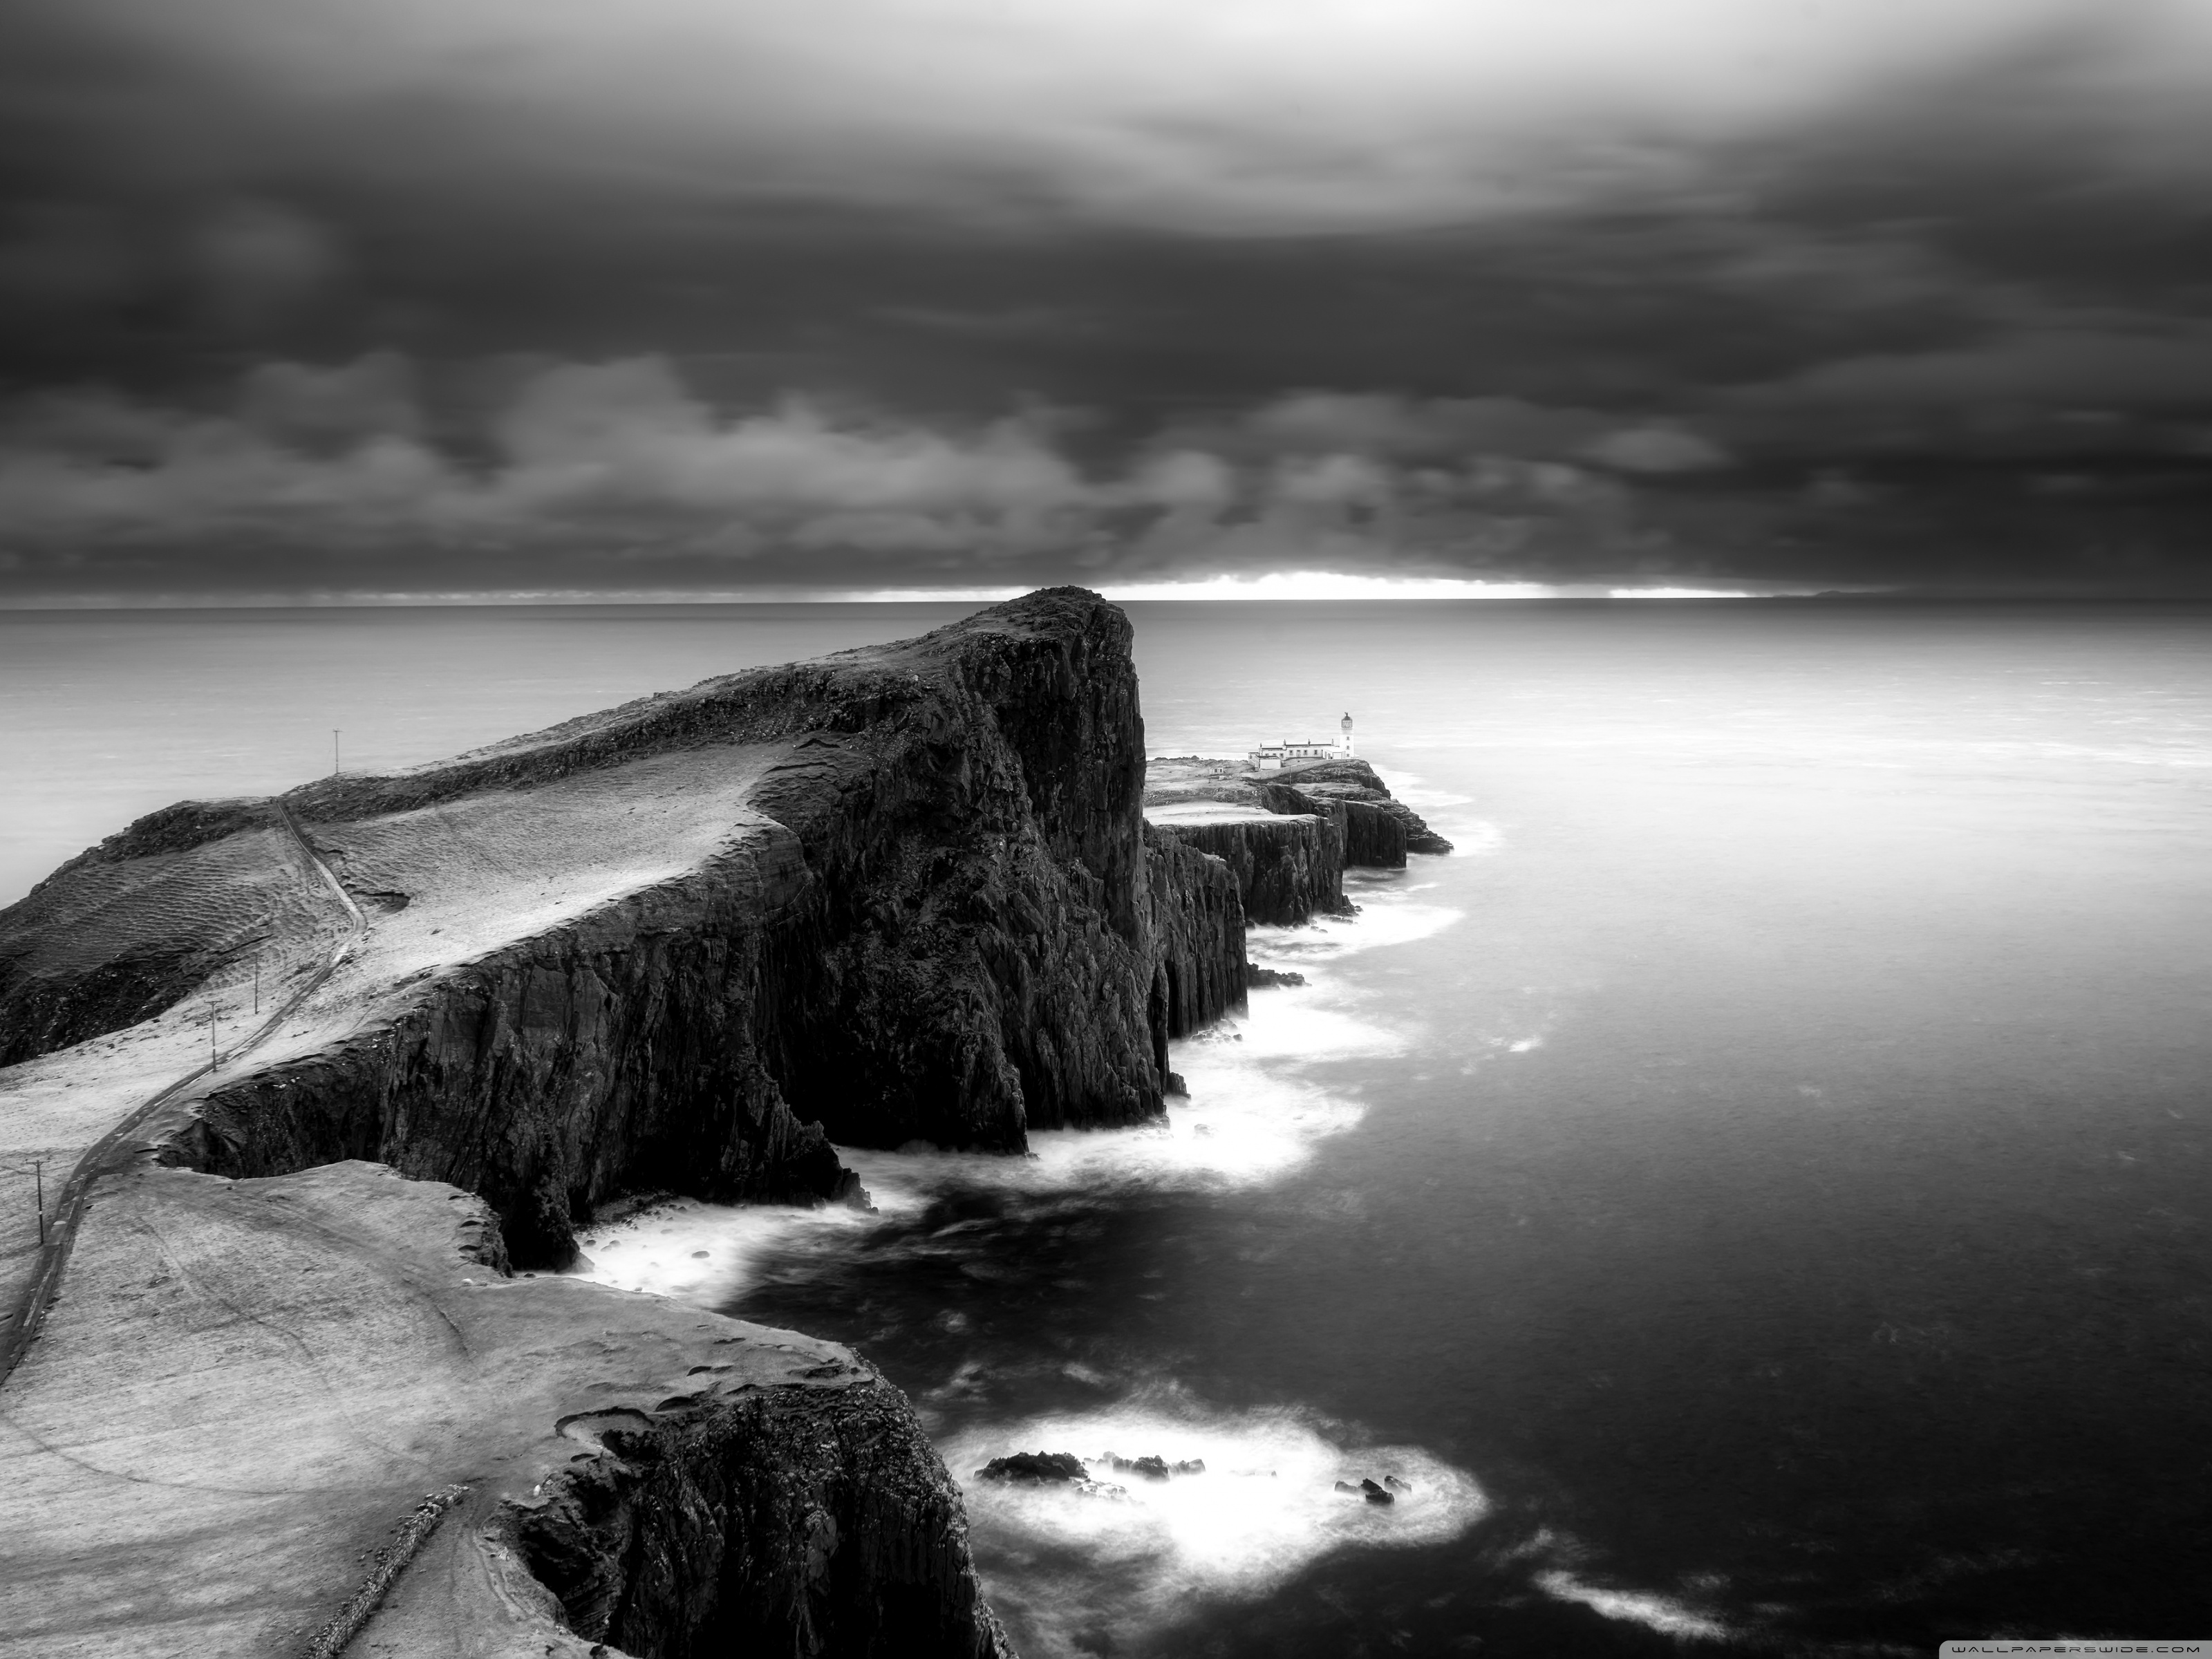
x=1274 y=756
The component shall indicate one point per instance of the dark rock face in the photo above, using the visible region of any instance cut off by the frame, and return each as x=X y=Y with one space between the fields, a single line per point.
x=1335 y=815
x=1197 y=917
x=946 y=924
x=1370 y=838
x=1355 y=783
x=1367 y=1490
x=792 y=1520
x=1288 y=870
x=612 y=1053
x=1256 y=977
x=1145 y=1468
x=1036 y=1469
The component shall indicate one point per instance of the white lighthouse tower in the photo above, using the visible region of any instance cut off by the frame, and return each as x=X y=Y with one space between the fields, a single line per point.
x=1344 y=744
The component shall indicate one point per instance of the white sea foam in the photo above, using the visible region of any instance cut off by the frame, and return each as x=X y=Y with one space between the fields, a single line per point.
x=1070 y=1566
x=1659 y=1612
x=1252 y=1117
x=703 y=1253
x=1388 y=915
x=1417 y=793
x=1246 y=1123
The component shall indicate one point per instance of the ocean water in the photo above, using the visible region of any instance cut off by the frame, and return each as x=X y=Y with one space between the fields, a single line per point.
x=1753 y=1196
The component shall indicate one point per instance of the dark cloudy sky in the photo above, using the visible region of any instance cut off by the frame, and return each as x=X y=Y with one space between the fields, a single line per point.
x=524 y=295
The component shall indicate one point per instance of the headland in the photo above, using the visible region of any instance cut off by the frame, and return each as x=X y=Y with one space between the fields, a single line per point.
x=921 y=892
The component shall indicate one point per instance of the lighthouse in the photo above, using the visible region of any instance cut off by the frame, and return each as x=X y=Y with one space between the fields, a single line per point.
x=1274 y=756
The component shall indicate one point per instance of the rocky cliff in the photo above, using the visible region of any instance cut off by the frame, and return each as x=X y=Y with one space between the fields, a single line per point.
x=818 y=1521
x=1198 y=932
x=1287 y=836
x=1289 y=868
x=894 y=894
x=1354 y=783
x=606 y=1473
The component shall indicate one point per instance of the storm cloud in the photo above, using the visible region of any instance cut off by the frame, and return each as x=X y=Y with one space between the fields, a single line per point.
x=511 y=297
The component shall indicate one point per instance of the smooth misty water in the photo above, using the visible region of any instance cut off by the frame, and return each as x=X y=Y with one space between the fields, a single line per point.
x=1756 y=1190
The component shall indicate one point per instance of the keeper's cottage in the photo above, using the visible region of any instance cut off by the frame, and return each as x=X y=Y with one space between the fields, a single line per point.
x=1274 y=756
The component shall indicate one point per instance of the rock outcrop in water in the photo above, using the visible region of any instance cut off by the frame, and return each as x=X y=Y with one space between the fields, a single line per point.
x=818 y=1521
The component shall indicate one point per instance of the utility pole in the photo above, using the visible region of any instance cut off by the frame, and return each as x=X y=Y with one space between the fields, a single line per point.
x=39 y=1178
x=334 y=752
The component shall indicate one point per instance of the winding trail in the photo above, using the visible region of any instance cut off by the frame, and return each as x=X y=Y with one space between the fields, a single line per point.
x=109 y=1153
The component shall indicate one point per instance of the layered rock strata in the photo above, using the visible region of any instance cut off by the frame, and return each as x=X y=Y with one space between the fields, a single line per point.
x=1354 y=783
x=1289 y=868
x=1197 y=913
x=1289 y=835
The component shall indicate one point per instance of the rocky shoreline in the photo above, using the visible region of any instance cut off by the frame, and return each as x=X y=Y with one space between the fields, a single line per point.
x=1288 y=836
x=925 y=891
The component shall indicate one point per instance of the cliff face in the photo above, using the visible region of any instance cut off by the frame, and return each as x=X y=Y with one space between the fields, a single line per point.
x=1372 y=839
x=795 y=1519
x=1289 y=835
x=896 y=894
x=613 y=1468
x=1198 y=933
x=1288 y=869
x=1355 y=783
x=618 y=1050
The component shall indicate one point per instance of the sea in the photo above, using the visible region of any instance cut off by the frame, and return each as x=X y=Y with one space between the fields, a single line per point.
x=1753 y=1196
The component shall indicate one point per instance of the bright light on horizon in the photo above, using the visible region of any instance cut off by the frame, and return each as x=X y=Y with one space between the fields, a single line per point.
x=1324 y=585
x=1328 y=584
x=1316 y=585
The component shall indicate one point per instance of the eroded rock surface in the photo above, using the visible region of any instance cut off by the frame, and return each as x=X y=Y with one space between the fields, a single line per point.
x=1288 y=836
x=1354 y=783
x=249 y=1385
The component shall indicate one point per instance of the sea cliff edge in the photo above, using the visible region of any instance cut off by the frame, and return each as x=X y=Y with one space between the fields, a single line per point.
x=918 y=892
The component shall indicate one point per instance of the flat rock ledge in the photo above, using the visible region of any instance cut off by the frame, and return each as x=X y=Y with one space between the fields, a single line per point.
x=249 y=1389
x=1287 y=836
